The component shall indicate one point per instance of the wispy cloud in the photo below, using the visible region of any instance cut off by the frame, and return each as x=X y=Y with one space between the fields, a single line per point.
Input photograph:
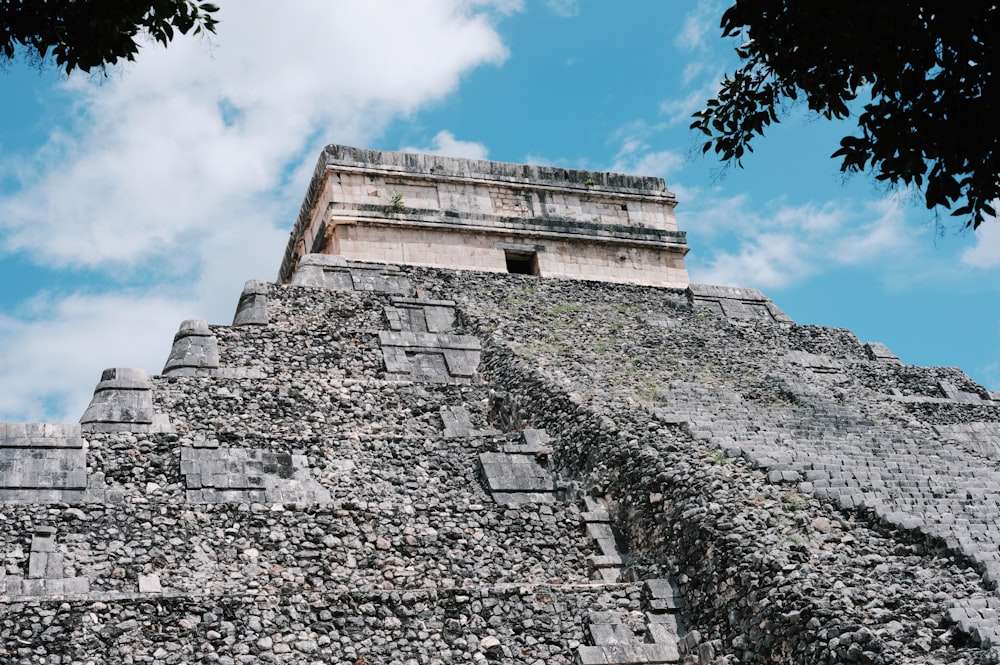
x=636 y=157
x=678 y=110
x=445 y=143
x=774 y=245
x=767 y=260
x=986 y=252
x=564 y=8
x=701 y=76
x=698 y=25
x=637 y=154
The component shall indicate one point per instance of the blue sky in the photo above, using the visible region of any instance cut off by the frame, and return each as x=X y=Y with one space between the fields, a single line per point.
x=133 y=201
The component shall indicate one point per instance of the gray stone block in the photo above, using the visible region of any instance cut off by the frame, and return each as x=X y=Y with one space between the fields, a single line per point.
x=40 y=435
x=327 y=271
x=252 y=306
x=662 y=628
x=660 y=588
x=124 y=395
x=607 y=546
x=428 y=366
x=627 y=654
x=54 y=565
x=379 y=280
x=879 y=352
x=150 y=584
x=311 y=267
x=461 y=363
x=337 y=280
x=524 y=484
x=521 y=498
x=599 y=531
x=537 y=438
x=395 y=318
x=434 y=357
x=439 y=319
x=456 y=421
x=606 y=561
x=591 y=655
x=120 y=406
x=195 y=348
x=396 y=360
x=423 y=302
x=240 y=475
x=611 y=633
x=42 y=463
x=37 y=565
x=76 y=585
x=735 y=303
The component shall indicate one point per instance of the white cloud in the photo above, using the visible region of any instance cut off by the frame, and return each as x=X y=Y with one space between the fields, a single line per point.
x=986 y=252
x=189 y=166
x=886 y=233
x=698 y=25
x=679 y=110
x=701 y=75
x=638 y=157
x=55 y=356
x=776 y=245
x=154 y=157
x=766 y=261
x=445 y=143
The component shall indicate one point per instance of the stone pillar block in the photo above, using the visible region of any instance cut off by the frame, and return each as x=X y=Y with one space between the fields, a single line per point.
x=252 y=308
x=123 y=401
x=195 y=350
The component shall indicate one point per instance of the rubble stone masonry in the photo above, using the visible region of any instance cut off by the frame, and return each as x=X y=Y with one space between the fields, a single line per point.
x=391 y=464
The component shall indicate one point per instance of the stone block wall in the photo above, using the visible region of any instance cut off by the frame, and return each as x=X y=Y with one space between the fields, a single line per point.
x=468 y=214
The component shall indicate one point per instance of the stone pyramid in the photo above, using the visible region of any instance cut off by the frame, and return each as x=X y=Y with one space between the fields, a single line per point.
x=391 y=464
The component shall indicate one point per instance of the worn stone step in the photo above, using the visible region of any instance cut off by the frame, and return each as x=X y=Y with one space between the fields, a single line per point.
x=627 y=654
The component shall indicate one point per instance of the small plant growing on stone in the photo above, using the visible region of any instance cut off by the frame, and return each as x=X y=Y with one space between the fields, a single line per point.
x=590 y=182
x=607 y=344
x=396 y=202
x=568 y=308
x=796 y=538
x=794 y=500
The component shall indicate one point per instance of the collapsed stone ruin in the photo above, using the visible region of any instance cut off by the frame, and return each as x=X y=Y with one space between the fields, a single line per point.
x=399 y=462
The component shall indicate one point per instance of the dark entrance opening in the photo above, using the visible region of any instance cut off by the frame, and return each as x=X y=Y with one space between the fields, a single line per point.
x=522 y=263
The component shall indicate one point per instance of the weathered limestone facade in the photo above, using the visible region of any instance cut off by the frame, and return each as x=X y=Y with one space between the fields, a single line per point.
x=424 y=210
x=387 y=464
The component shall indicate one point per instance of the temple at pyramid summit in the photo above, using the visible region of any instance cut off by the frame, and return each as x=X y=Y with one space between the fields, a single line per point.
x=483 y=416
x=462 y=214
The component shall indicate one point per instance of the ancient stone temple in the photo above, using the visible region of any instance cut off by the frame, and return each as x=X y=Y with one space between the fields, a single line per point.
x=483 y=417
x=463 y=214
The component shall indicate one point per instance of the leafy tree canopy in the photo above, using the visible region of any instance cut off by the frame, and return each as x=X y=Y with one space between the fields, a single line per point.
x=926 y=70
x=83 y=34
